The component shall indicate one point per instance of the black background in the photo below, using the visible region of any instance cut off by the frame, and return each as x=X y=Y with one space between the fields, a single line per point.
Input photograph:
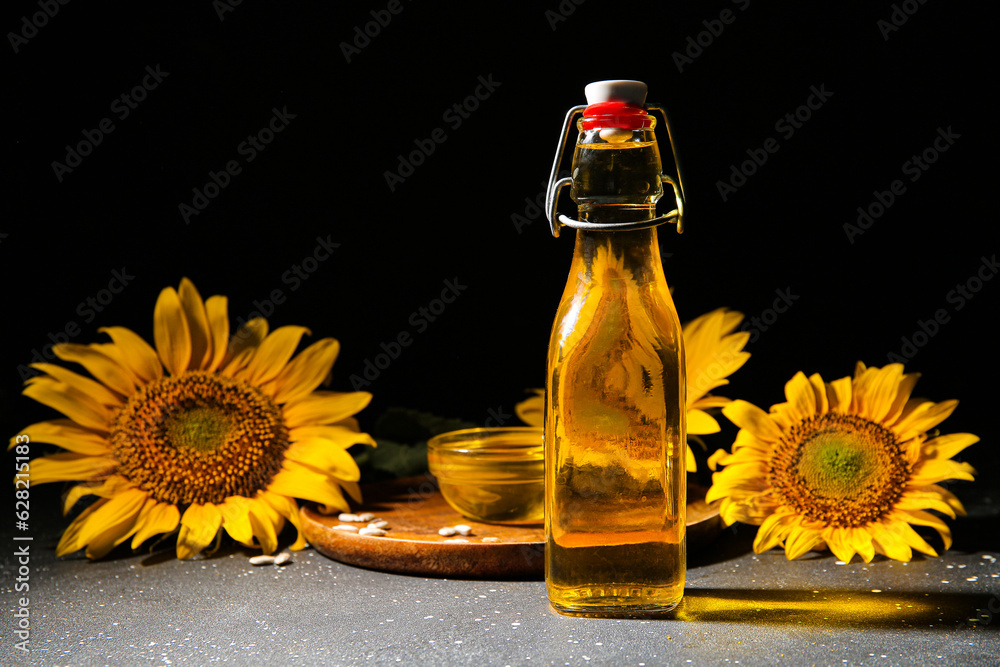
x=324 y=176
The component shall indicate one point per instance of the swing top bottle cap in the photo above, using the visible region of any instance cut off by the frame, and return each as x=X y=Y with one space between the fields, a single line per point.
x=617 y=90
x=616 y=104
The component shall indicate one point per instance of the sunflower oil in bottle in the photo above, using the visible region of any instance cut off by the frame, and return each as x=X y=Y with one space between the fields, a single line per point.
x=615 y=396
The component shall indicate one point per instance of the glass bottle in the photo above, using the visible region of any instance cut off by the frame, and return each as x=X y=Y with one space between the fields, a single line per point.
x=615 y=479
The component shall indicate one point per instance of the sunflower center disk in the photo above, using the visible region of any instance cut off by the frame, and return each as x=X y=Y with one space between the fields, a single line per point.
x=199 y=438
x=842 y=470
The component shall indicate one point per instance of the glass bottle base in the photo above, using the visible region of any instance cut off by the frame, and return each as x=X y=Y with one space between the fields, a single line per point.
x=615 y=600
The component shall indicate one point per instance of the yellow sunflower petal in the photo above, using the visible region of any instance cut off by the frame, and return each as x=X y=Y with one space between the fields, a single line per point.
x=801 y=399
x=689 y=461
x=159 y=519
x=243 y=344
x=66 y=434
x=113 y=534
x=840 y=394
x=753 y=419
x=921 y=518
x=81 y=408
x=946 y=446
x=217 y=312
x=353 y=490
x=922 y=416
x=306 y=371
x=106 y=489
x=197 y=319
x=718 y=457
x=117 y=514
x=930 y=498
x=138 y=355
x=712 y=351
x=100 y=365
x=270 y=357
x=801 y=541
x=325 y=455
x=819 y=392
x=706 y=402
x=532 y=410
x=171 y=333
x=83 y=385
x=700 y=422
x=903 y=392
x=265 y=522
x=325 y=407
x=199 y=526
x=235 y=512
x=861 y=541
x=933 y=471
x=342 y=436
x=70 y=541
x=838 y=540
x=69 y=467
x=912 y=539
x=297 y=480
x=288 y=508
x=890 y=542
x=772 y=532
x=880 y=392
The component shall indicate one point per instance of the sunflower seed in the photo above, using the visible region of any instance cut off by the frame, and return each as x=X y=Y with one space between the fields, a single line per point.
x=262 y=560
x=371 y=530
x=379 y=524
x=348 y=517
x=367 y=516
x=491 y=539
x=457 y=539
x=463 y=529
x=447 y=531
x=283 y=558
x=346 y=527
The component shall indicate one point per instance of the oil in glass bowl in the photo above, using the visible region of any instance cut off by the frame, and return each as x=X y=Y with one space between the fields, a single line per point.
x=493 y=475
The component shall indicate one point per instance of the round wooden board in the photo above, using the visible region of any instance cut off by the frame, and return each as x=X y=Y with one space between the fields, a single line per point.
x=415 y=510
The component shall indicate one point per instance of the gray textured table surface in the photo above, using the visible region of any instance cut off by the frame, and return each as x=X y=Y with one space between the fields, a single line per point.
x=740 y=608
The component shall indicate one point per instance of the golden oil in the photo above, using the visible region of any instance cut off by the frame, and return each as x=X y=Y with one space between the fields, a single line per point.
x=491 y=475
x=615 y=399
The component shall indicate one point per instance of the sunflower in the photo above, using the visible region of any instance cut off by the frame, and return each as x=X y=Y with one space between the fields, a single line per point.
x=200 y=434
x=713 y=350
x=847 y=464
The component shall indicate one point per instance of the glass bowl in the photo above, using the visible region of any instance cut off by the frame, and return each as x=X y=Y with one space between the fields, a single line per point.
x=494 y=475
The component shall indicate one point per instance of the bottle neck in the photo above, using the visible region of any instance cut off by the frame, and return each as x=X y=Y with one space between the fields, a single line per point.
x=627 y=255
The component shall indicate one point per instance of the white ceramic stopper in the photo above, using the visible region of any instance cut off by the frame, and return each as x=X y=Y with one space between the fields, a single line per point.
x=617 y=90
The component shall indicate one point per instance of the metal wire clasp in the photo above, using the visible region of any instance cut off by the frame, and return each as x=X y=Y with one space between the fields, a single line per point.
x=557 y=220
